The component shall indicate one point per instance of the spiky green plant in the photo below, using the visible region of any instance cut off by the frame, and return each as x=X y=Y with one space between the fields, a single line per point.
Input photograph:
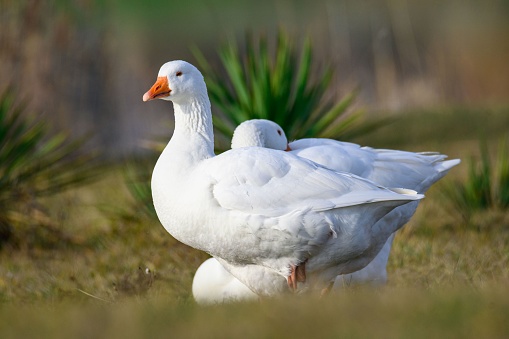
x=137 y=180
x=477 y=189
x=486 y=186
x=501 y=190
x=33 y=164
x=282 y=86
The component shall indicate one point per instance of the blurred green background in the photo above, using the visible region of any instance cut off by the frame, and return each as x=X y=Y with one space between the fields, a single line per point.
x=438 y=69
x=86 y=63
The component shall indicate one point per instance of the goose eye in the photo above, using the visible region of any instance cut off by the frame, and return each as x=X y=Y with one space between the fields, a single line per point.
x=179 y=73
x=279 y=132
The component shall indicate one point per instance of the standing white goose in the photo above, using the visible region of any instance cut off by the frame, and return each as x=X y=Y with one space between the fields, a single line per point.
x=389 y=168
x=258 y=206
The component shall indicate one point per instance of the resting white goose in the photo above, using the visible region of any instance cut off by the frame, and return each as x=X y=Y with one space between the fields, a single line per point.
x=261 y=207
x=391 y=168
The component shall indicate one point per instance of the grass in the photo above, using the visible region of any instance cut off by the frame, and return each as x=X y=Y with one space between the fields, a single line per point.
x=486 y=186
x=378 y=314
x=445 y=279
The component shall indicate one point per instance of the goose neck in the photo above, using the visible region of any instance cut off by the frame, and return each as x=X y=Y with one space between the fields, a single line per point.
x=193 y=133
x=194 y=117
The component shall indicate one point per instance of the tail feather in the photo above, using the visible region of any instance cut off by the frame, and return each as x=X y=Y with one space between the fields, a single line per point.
x=442 y=169
x=447 y=165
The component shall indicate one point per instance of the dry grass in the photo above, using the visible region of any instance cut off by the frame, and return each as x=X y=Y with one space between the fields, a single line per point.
x=105 y=248
x=445 y=279
x=392 y=313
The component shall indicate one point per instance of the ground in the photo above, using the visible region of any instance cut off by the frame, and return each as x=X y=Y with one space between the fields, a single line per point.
x=117 y=273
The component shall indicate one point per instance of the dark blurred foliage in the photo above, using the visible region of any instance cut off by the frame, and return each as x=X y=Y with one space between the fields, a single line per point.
x=35 y=163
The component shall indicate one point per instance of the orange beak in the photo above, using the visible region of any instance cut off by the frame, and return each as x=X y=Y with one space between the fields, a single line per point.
x=288 y=149
x=159 y=90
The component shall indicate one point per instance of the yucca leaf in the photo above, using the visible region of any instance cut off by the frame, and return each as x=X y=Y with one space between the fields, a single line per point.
x=281 y=85
x=364 y=126
x=137 y=179
x=33 y=162
x=223 y=127
x=337 y=128
x=303 y=70
x=329 y=117
x=233 y=68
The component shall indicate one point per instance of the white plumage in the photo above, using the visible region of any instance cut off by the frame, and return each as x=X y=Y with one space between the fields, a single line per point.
x=258 y=206
x=389 y=168
x=213 y=284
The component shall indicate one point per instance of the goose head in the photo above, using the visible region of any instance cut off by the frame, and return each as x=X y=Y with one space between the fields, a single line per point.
x=177 y=81
x=260 y=133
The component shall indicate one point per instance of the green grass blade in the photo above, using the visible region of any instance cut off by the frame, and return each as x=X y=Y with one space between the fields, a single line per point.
x=503 y=174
